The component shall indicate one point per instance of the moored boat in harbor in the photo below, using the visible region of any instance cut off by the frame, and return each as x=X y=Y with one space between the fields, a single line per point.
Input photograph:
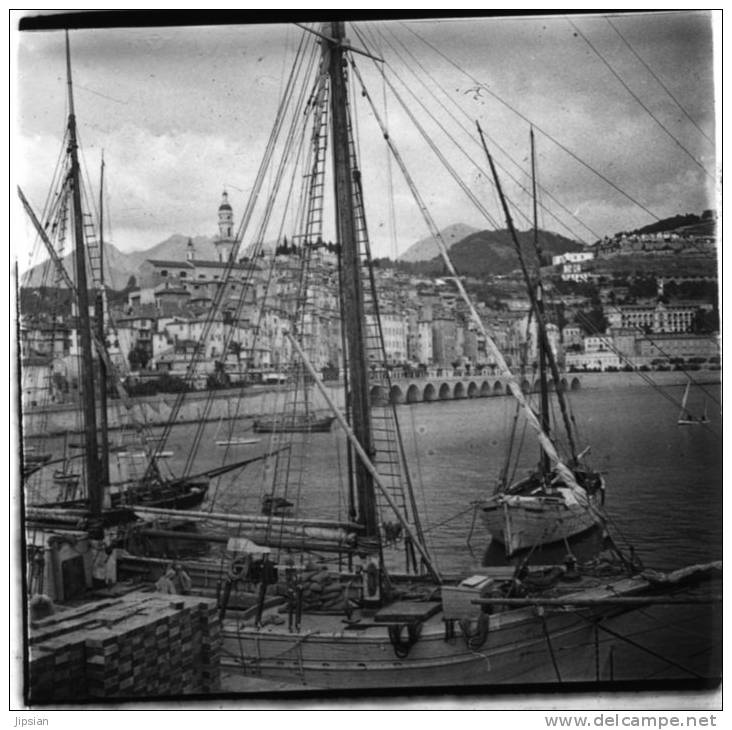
x=327 y=578
x=308 y=423
x=550 y=505
x=362 y=624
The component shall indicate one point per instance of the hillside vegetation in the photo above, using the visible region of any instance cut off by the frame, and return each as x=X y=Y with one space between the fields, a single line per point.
x=492 y=253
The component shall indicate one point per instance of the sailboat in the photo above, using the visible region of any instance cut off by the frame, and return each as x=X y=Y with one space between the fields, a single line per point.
x=547 y=506
x=358 y=600
x=102 y=499
x=686 y=418
x=362 y=622
x=297 y=423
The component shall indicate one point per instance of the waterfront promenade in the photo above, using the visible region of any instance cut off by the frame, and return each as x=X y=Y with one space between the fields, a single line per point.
x=253 y=401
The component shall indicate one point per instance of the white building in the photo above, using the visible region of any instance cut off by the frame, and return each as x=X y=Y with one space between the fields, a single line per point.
x=658 y=318
x=394 y=330
x=572 y=264
x=572 y=257
x=592 y=360
x=425 y=352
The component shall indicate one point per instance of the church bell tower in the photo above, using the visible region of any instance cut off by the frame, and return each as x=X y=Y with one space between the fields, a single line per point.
x=225 y=240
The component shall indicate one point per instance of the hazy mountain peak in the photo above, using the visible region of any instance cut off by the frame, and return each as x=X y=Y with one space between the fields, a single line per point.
x=427 y=248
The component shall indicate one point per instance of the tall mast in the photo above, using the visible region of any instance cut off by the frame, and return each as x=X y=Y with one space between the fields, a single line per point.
x=532 y=298
x=93 y=476
x=544 y=389
x=100 y=309
x=352 y=287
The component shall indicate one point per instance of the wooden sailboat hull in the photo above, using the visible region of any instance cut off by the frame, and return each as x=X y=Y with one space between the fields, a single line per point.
x=183 y=496
x=317 y=425
x=528 y=644
x=517 y=653
x=518 y=650
x=519 y=523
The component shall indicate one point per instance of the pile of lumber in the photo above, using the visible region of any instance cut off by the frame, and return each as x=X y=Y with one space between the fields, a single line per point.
x=142 y=644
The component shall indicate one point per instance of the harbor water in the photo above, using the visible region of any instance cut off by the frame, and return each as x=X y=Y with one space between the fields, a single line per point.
x=664 y=481
x=664 y=497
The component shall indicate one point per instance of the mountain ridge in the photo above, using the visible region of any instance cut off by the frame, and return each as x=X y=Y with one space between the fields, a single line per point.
x=492 y=253
x=472 y=250
x=427 y=248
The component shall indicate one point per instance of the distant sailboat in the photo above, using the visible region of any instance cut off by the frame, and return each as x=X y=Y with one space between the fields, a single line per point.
x=686 y=418
x=297 y=423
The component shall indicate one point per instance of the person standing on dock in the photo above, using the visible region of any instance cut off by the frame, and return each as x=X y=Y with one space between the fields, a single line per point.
x=181 y=580
x=164 y=583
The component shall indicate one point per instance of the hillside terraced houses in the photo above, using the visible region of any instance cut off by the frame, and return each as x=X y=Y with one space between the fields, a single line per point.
x=423 y=322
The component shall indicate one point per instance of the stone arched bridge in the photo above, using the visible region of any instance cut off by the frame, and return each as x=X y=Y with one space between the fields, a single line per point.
x=426 y=390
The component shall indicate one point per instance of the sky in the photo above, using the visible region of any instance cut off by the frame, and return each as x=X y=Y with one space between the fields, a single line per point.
x=185 y=112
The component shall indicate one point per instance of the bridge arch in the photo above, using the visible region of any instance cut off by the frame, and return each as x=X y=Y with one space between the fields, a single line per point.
x=525 y=386
x=396 y=395
x=378 y=395
x=459 y=391
x=444 y=392
x=575 y=385
x=498 y=388
x=472 y=390
x=430 y=393
x=412 y=394
x=485 y=389
x=564 y=384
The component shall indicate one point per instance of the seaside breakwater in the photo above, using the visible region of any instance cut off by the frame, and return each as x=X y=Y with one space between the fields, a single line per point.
x=255 y=401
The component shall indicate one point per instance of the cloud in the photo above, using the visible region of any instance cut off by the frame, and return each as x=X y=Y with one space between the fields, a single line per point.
x=182 y=112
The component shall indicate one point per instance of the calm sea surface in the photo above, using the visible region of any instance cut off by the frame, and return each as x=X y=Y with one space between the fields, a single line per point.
x=664 y=482
x=664 y=496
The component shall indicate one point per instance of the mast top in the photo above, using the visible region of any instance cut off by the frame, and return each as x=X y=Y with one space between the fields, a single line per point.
x=68 y=76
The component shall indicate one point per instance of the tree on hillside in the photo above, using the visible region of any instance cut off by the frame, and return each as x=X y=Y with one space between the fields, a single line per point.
x=643 y=286
x=705 y=322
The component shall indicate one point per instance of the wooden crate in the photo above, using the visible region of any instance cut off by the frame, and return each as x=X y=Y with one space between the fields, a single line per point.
x=457 y=600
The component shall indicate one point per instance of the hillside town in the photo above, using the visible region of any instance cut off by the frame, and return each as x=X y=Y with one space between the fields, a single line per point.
x=596 y=321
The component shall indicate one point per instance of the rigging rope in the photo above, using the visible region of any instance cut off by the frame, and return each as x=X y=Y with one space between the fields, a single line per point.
x=431 y=142
x=655 y=76
x=666 y=354
x=563 y=147
x=248 y=212
x=482 y=170
x=643 y=375
x=514 y=385
x=639 y=100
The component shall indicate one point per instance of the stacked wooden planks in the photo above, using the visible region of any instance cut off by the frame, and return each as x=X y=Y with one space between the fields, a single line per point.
x=142 y=644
